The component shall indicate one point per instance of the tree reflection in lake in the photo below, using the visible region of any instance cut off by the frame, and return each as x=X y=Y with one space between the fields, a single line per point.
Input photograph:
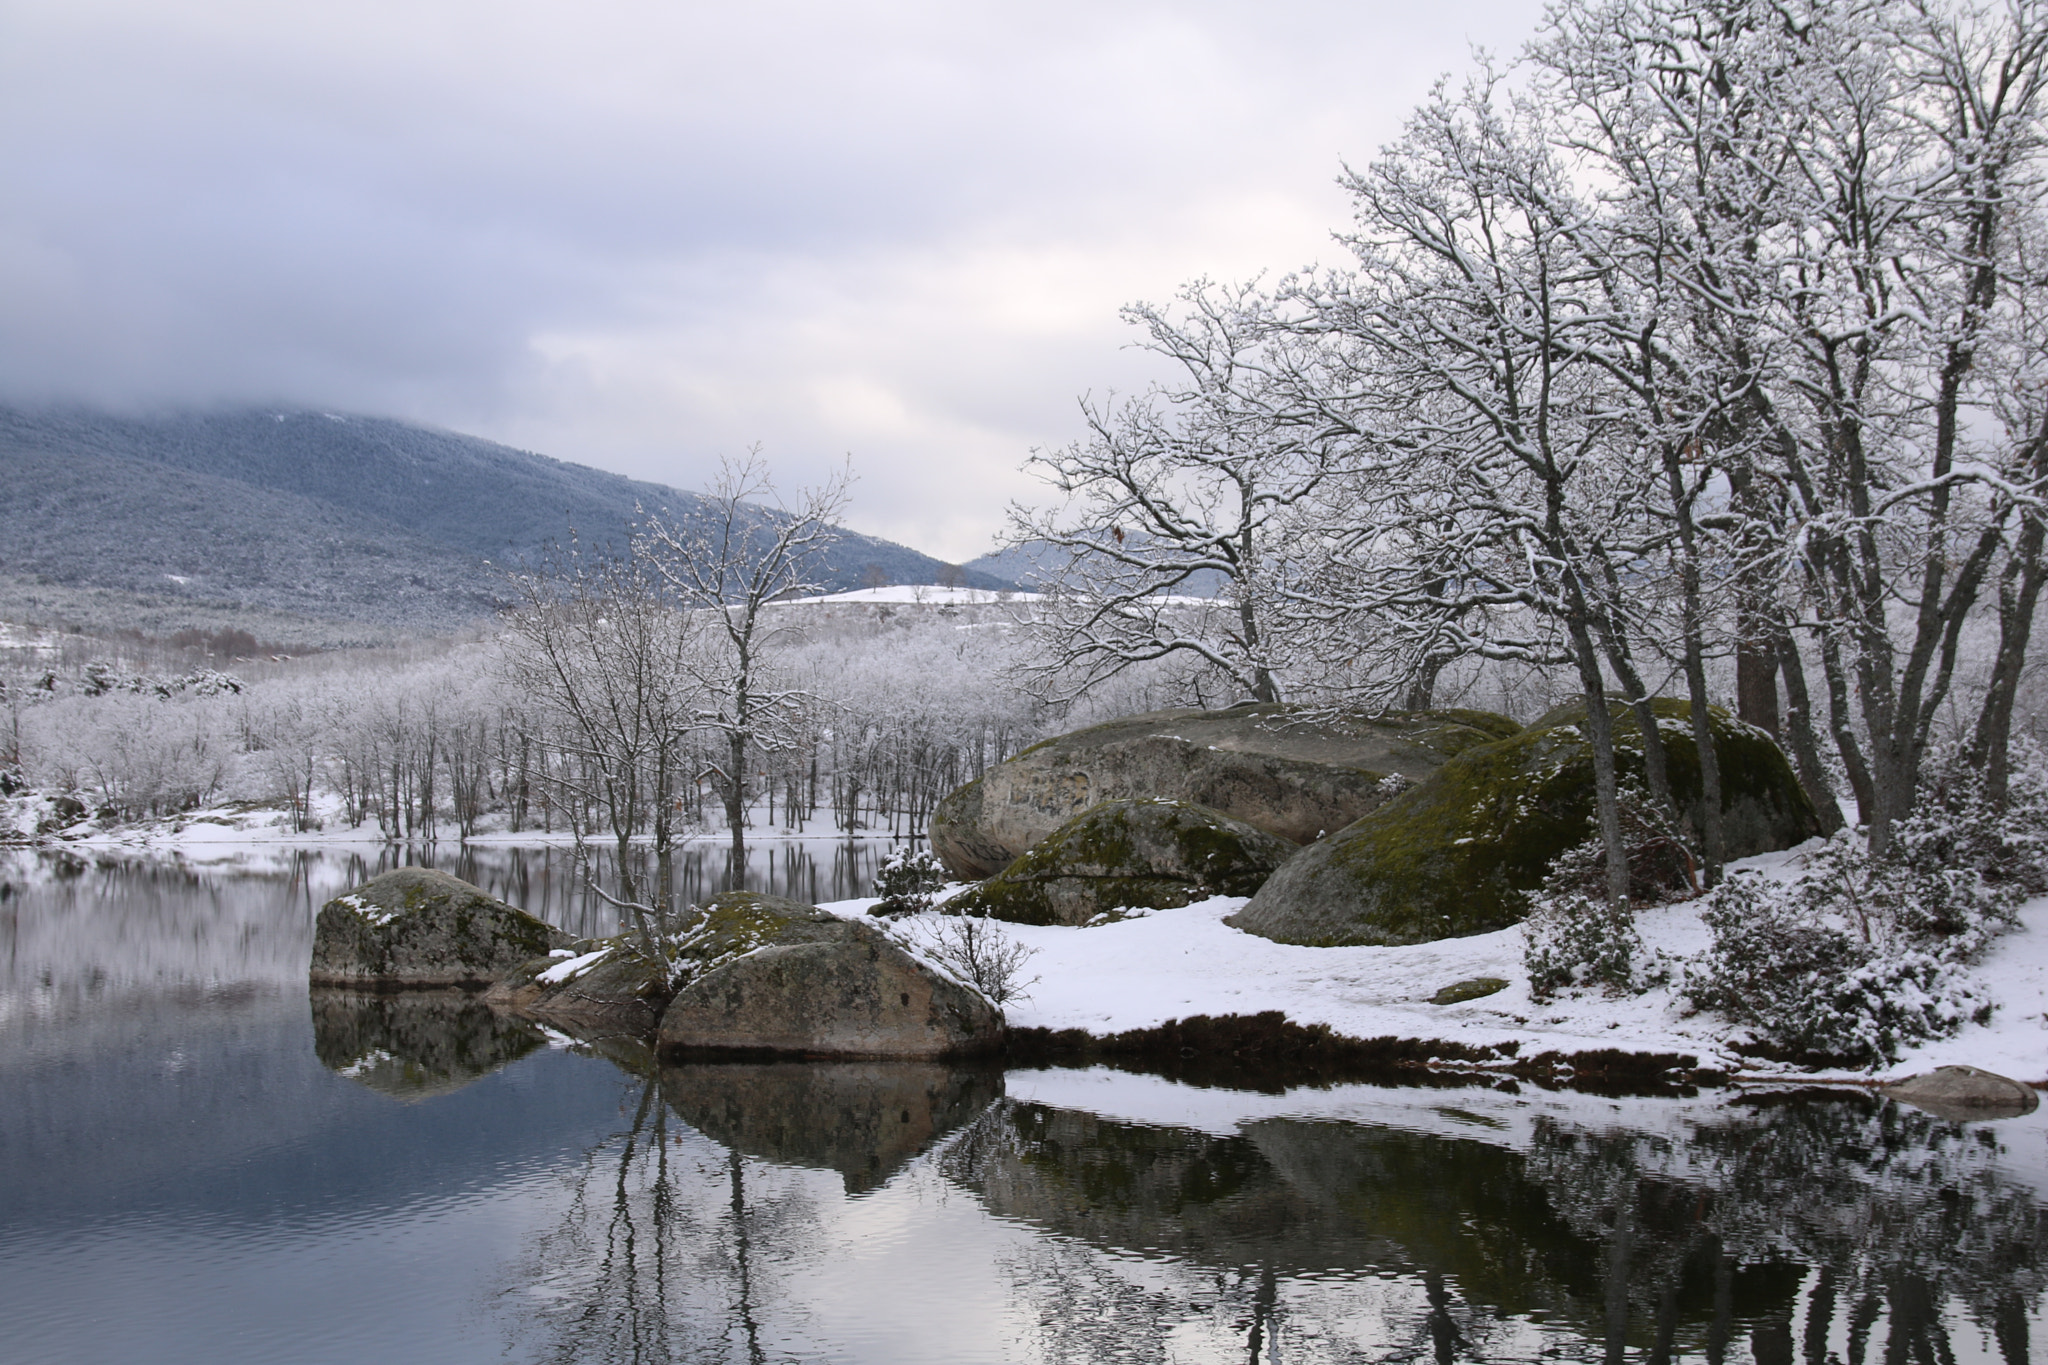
x=1836 y=1217
x=727 y=1222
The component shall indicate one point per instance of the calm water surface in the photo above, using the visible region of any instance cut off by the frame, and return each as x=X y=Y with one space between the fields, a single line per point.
x=199 y=1161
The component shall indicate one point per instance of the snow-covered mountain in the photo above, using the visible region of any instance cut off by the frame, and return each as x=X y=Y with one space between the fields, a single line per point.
x=330 y=516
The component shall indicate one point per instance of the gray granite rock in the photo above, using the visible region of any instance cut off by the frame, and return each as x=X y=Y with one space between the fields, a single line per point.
x=1124 y=855
x=1963 y=1093
x=1273 y=767
x=414 y=927
x=856 y=994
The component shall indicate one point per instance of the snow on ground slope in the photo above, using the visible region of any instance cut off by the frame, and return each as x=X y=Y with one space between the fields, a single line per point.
x=1173 y=963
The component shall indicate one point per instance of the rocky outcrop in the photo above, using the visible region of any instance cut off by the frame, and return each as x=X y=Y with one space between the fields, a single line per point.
x=864 y=1120
x=414 y=927
x=414 y=1045
x=1122 y=855
x=1964 y=1093
x=1458 y=854
x=1270 y=766
x=599 y=987
x=611 y=986
x=849 y=992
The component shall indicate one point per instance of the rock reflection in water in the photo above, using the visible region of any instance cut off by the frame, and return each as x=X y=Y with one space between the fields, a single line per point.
x=861 y=1119
x=682 y=1240
x=1645 y=1246
x=413 y=1045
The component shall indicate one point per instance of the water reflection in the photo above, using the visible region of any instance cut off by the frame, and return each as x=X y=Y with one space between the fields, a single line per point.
x=198 y=1170
x=78 y=928
x=414 y=1045
x=1854 y=1226
x=861 y=1119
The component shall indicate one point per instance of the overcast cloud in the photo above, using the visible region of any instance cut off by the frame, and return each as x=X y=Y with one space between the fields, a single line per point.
x=641 y=233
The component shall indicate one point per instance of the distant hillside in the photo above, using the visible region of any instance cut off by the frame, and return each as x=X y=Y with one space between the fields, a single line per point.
x=334 y=517
x=1033 y=563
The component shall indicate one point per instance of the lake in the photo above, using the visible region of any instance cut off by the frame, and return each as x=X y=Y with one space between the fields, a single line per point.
x=202 y=1161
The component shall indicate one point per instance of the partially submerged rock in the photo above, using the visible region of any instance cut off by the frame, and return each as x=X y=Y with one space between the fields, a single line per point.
x=414 y=927
x=604 y=987
x=414 y=1045
x=1458 y=854
x=613 y=986
x=1148 y=853
x=852 y=994
x=1267 y=765
x=1964 y=1093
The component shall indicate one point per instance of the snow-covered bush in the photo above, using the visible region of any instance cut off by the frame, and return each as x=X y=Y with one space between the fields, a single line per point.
x=1791 y=960
x=1572 y=937
x=906 y=882
x=978 y=950
x=1859 y=957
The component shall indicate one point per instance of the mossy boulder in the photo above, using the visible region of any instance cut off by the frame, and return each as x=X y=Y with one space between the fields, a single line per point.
x=1459 y=853
x=1148 y=854
x=854 y=994
x=1277 y=768
x=611 y=986
x=414 y=927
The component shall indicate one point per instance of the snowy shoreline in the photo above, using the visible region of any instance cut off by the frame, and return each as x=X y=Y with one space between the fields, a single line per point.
x=1172 y=964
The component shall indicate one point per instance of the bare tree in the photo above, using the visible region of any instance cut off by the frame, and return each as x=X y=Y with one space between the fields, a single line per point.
x=606 y=649
x=1179 y=494
x=744 y=550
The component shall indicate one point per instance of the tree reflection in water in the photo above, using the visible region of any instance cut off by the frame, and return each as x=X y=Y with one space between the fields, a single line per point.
x=1826 y=1231
x=722 y=1223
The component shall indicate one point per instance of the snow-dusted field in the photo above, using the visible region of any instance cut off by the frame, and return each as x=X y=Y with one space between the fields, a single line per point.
x=1173 y=963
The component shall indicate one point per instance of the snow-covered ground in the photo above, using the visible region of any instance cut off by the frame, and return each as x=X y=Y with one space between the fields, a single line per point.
x=1173 y=963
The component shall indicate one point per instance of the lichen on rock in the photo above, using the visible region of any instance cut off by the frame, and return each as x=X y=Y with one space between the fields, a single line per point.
x=1119 y=856
x=414 y=927
x=1459 y=853
x=854 y=993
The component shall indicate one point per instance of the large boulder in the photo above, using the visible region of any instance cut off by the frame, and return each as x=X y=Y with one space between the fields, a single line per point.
x=1148 y=853
x=1274 y=767
x=852 y=994
x=414 y=927
x=1965 y=1093
x=1458 y=854
x=612 y=986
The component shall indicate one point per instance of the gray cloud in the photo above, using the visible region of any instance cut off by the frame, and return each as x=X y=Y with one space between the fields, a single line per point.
x=637 y=233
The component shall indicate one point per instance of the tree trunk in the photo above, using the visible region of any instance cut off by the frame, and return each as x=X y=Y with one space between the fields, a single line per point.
x=1600 y=734
x=1798 y=718
x=736 y=804
x=2019 y=592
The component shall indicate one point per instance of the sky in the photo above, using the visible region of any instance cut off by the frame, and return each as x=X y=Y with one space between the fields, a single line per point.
x=645 y=234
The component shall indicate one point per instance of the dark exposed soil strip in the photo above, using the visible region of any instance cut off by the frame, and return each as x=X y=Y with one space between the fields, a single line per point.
x=1270 y=1052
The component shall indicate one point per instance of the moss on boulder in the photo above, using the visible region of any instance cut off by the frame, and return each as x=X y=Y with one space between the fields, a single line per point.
x=1150 y=854
x=1458 y=853
x=1281 y=769
x=414 y=927
x=609 y=986
x=853 y=994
